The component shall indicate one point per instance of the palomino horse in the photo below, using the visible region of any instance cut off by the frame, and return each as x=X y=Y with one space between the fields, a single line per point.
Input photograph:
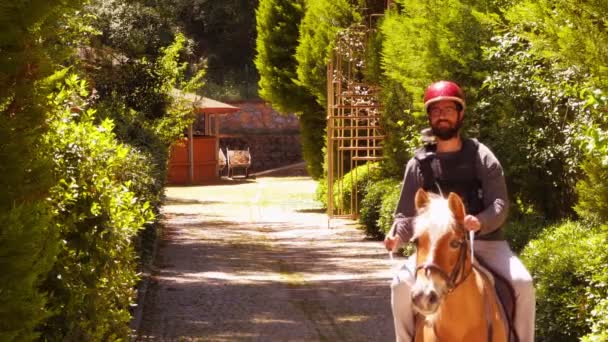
x=455 y=301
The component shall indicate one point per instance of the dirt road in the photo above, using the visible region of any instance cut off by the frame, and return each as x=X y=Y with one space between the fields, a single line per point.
x=256 y=261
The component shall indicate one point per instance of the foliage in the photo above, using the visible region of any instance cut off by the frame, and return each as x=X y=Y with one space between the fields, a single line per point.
x=277 y=39
x=356 y=180
x=565 y=32
x=224 y=34
x=34 y=36
x=425 y=42
x=401 y=128
x=387 y=208
x=534 y=118
x=371 y=204
x=277 y=27
x=131 y=28
x=137 y=96
x=317 y=32
x=313 y=139
x=521 y=228
x=592 y=189
x=97 y=214
x=599 y=323
x=570 y=292
x=321 y=192
x=321 y=23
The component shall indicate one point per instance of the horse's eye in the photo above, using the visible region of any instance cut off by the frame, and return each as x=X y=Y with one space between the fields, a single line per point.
x=455 y=243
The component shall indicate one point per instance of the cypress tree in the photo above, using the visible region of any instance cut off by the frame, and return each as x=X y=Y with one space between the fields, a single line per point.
x=278 y=31
x=30 y=44
x=430 y=40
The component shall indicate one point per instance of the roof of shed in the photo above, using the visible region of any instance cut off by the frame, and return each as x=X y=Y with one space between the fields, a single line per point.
x=204 y=104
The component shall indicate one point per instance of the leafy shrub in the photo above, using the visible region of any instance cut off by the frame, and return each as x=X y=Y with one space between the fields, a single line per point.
x=321 y=192
x=521 y=228
x=355 y=180
x=387 y=208
x=312 y=137
x=371 y=205
x=97 y=214
x=592 y=189
x=568 y=263
x=599 y=323
x=534 y=118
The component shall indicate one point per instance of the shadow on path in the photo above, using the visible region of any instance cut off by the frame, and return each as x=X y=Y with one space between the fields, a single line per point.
x=238 y=272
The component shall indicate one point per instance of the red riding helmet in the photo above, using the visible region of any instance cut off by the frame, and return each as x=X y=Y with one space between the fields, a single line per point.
x=443 y=90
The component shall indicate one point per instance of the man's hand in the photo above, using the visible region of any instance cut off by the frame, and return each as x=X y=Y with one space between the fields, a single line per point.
x=471 y=223
x=392 y=242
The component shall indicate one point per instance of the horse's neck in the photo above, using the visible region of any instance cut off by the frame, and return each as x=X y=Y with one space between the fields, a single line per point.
x=463 y=311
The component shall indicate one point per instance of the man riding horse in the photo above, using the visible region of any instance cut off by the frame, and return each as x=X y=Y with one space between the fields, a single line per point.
x=468 y=168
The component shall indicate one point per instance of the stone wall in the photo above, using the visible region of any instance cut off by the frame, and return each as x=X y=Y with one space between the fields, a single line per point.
x=257 y=117
x=273 y=139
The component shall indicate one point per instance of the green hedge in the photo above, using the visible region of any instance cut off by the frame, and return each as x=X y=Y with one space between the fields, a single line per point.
x=97 y=214
x=377 y=197
x=356 y=179
x=568 y=263
x=387 y=208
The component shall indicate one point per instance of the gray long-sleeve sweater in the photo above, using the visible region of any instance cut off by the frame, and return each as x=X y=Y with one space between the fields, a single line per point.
x=494 y=189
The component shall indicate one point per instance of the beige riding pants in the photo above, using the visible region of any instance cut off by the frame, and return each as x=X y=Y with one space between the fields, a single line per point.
x=498 y=256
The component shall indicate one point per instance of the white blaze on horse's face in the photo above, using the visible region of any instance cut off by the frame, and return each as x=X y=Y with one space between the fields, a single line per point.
x=437 y=248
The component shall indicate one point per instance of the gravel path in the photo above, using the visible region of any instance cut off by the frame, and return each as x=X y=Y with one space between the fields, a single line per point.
x=257 y=261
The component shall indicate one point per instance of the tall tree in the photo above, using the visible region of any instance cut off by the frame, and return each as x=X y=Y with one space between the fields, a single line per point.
x=278 y=31
x=278 y=23
x=224 y=33
x=321 y=23
x=566 y=32
x=429 y=40
x=32 y=37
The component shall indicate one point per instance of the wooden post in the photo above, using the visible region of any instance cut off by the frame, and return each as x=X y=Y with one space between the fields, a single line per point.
x=191 y=154
x=216 y=118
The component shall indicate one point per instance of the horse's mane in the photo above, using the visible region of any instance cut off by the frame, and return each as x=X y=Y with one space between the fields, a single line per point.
x=436 y=218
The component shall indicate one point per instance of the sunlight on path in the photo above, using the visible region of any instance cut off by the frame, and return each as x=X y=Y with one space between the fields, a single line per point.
x=257 y=261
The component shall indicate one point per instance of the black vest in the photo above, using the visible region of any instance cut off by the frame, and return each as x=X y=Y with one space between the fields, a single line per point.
x=454 y=173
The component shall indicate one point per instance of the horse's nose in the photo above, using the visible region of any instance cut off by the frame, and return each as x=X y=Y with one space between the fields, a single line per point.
x=417 y=296
x=433 y=297
x=426 y=300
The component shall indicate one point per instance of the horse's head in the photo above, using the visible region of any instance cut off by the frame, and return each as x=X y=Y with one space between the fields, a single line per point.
x=440 y=249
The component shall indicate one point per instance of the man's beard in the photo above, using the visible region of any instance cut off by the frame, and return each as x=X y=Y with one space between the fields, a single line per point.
x=446 y=133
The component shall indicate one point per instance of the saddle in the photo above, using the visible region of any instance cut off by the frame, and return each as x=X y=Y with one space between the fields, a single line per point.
x=506 y=298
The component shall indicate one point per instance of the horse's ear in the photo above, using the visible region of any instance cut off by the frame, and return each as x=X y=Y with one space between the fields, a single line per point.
x=421 y=199
x=456 y=207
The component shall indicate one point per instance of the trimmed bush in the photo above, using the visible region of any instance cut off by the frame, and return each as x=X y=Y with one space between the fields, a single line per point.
x=568 y=263
x=387 y=208
x=97 y=214
x=321 y=192
x=371 y=204
x=356 y=179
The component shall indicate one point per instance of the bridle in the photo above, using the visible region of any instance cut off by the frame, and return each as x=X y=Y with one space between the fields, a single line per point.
x=456 y=277
x=451 y=279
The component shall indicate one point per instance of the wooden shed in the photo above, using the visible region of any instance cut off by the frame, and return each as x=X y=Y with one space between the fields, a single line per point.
x=196 y=159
